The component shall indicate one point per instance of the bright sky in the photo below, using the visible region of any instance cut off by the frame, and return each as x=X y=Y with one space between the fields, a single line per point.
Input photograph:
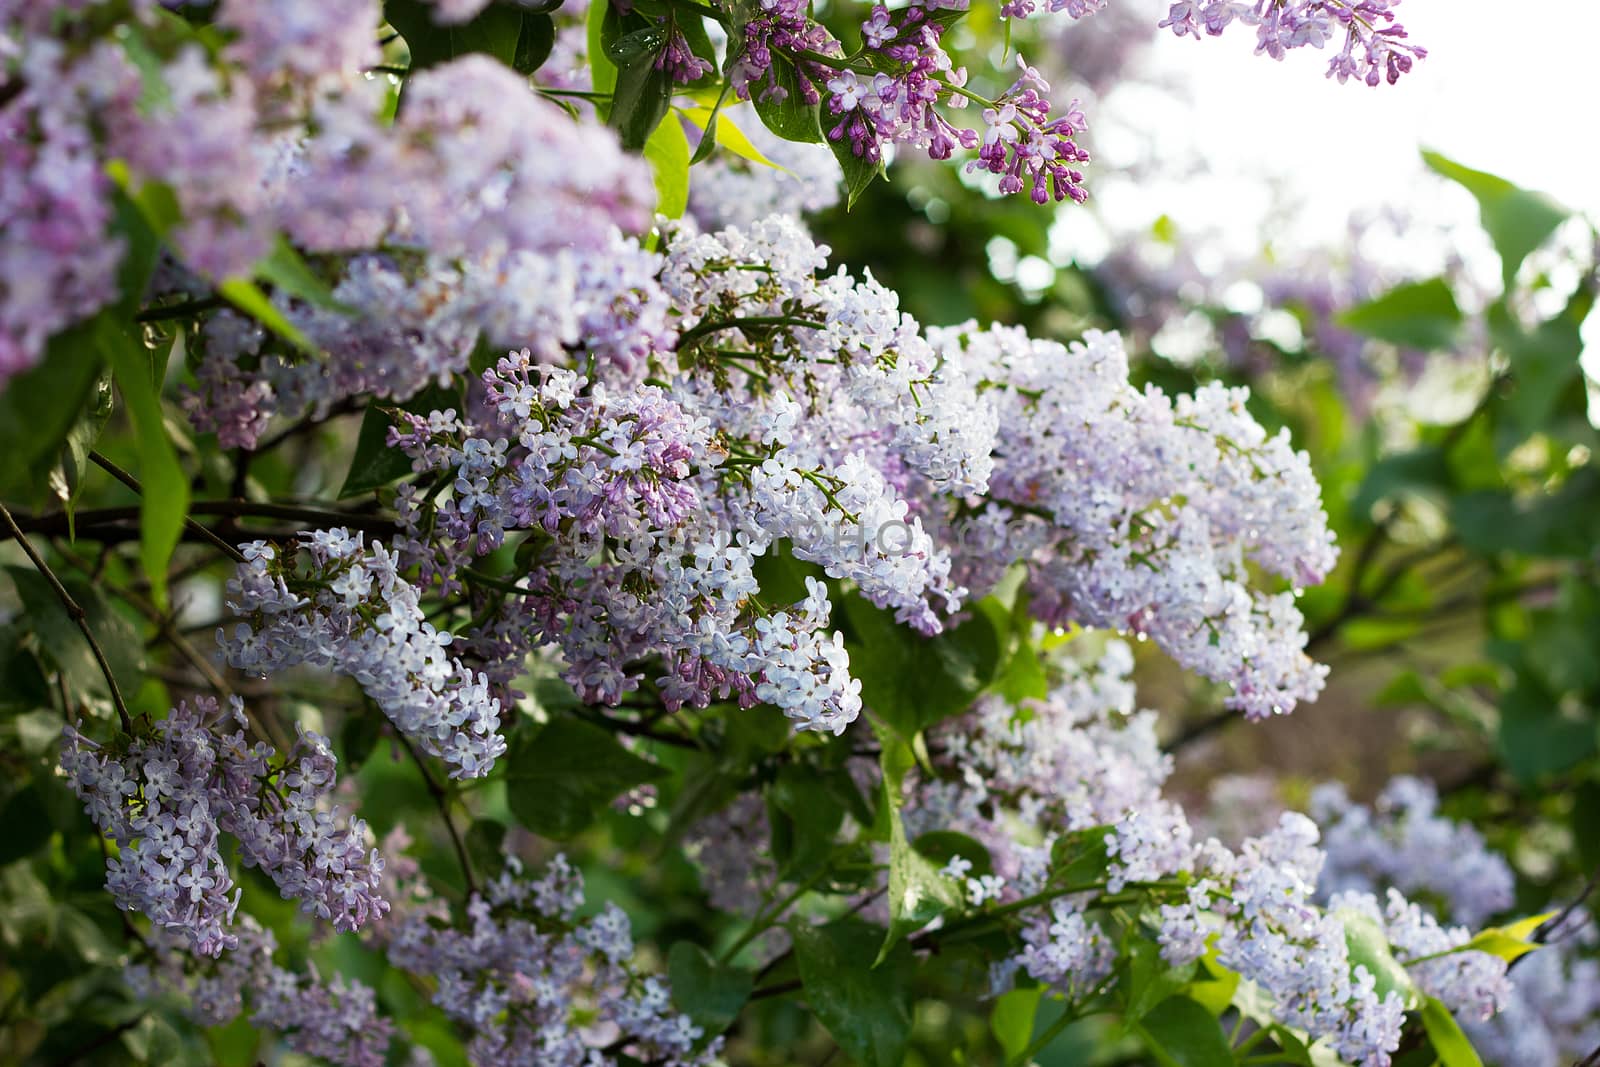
x=1508 y=87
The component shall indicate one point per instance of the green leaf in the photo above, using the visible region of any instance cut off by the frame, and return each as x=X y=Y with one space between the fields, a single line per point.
x=534 y=43
x=635 y=45
x=667 y=152
x=561 y=777
x=940 y=846
x=1444 y=1033
x=288 y=272
x=1182 y=1033
x=1536 y=737
x=1565 y=523
x=789 y=116
x=601 y=20
x=867 y=1009
x=911 y=681
x=485 y=842
x=495 y=31
x=1370 y=949
x=1511 y=941
x=706 y=119
x=1518 y=221
x=27 y=822
x=1147 y=979
x=918 y=893
x=66 y=478
x=153 y=1041
x=1011 y=1021
x=711 y=994
x=375 y=464
x=1080 y=857
x=1544 y=361
x=1424 y=468
x=164 y=495
x=39 y=407
x=62 y=642
x=1023 y=677
x=1419 y=315
x=805 y=818
x=1216 y=985
x=245 y=295
x=859 y=172
x=640 y=101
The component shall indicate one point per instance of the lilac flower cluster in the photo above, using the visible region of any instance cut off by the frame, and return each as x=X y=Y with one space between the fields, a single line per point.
x=1019 y=779
x=1273 y=935
x=501 y=242
x=635 y=471
x=1375 y=46
x=1080 y=759
x=1077 y=9
x=350 y=611
x=1021 y=143
x=537 y=985
x=809 y=410
x=57 y=264
x=1089 y=480
x=166 y=799
x=1404 y=843
x=785 y=26
x=1030 y=150
x=1066 y=951
x=880 y=109
x=333 y=1021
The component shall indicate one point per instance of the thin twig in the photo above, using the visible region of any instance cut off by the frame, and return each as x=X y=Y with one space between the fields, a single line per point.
x=189 y=524
x=90 y=520
x=1542 y=934
x=442 y=799
x=79 y=616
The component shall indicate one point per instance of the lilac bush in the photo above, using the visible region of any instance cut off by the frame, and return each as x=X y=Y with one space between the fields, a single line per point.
x=669 y=581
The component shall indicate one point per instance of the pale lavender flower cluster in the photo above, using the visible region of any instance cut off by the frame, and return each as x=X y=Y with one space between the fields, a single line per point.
x=1082 y=758
x=729 y=191
x=502 y=242
x=1019 y=779
x=810 y=411
x=333 y=1021
x=296 y=47
x=1144 y=514
x=535 y=984
x=57 y=263
x=1375 y=46
x=637 y=469
x=1067 y=951
x=165 y=799
x=351 y=612
x=1402 y=841
x=1272 y=934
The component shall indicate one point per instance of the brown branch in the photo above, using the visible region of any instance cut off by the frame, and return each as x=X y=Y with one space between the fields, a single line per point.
x=89 y=521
